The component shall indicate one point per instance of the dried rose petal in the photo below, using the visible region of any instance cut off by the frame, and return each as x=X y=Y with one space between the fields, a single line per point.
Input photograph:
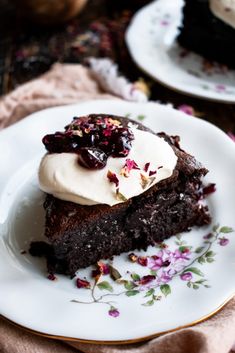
x=152 y=172
x=87 y=130
x=146 y=167
x=209 y=189
x=146 y=279
x=82 y=283
x=162 y=245
x=124 y=172
x=129 y=165
x=120 y=196
x=51 y=277
x=151 y=180
x=133 y=257
x=103 y=268
x=186 y=276
x=114 y=122
x=142 y=260
x=144 y=180
x=113 y=178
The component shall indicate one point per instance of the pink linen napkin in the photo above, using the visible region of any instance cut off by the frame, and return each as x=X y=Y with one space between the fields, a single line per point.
x=66 y=84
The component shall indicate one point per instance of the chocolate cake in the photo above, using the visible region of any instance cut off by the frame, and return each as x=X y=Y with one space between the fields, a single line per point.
x=80 y=235
x=207 y=34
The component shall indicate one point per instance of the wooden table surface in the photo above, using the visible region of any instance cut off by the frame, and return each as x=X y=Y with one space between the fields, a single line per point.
x=27 y=50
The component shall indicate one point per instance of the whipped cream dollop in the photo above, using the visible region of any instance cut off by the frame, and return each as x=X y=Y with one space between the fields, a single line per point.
x=224 y=10
x=62 y=176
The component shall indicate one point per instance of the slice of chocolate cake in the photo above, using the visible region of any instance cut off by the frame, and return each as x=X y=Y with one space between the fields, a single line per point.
x=101 y=201
x=208 y=29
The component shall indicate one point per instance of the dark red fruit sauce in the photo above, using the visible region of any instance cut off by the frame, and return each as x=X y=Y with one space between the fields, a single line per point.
x=94 y=138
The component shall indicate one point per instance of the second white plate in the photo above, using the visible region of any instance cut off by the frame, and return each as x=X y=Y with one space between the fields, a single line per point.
x=151 y=39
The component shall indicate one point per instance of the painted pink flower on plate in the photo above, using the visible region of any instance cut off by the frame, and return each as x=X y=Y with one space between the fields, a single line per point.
x=184 y=255
x=187 y=276
x=220 y=88
x=114 y=312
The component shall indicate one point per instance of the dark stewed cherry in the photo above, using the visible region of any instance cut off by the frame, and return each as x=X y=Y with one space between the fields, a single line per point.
x=60 y=142
x=94 y=138
x=92 y=158
x=121 y=142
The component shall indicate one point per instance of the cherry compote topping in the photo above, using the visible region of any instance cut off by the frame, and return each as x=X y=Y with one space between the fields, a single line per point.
x=94 y=138
x=92 y=158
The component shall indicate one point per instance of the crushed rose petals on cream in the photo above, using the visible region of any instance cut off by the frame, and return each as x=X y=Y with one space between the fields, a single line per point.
x=146 y=167
x=120 y=196
x=129 y=165
x=113 y=178
x=144 y=180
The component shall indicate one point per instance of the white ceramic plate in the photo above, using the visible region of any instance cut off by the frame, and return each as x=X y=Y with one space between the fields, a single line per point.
x=151 y=39
x=29 y=299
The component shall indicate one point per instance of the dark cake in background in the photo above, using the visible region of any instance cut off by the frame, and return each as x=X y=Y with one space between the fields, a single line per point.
x=206 y=34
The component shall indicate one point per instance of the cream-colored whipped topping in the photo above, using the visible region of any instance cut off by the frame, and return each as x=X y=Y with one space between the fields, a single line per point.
x=62 y=176
x=224 y=10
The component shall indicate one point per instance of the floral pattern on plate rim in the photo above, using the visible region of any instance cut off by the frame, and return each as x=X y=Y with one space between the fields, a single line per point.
x=183 y=262
x=161 y=20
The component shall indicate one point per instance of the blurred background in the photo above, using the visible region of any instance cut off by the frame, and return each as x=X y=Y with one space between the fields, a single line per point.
x=36 y=33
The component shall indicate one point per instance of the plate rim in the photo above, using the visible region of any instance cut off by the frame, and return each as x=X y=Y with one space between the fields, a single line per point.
x=167 y=106
x=144 y=338
x=167 y=85
x=121 y=342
